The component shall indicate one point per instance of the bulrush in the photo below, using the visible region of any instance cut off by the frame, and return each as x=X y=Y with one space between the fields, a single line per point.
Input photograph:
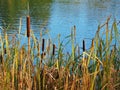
x=54 y=49
x=28 y=26
x=83 y=45
x=52 y=67
x=43 y=48
x=43 y=44
x=28 y=35
x=74 y=31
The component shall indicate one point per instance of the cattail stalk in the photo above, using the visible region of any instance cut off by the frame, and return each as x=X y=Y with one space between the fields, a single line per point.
x=74 y=32
x=53 y=49
x=28 y=26
x=83 y=45
x=43 y=45
x=43 y=48
x=28 y=34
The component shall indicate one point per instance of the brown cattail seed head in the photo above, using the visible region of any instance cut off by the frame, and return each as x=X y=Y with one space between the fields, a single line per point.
x=28 y=26
x=54 y=49
x=43 y=45
x=83 y=45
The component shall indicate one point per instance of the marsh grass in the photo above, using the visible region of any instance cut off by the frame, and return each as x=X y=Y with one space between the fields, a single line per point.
x=41 y=65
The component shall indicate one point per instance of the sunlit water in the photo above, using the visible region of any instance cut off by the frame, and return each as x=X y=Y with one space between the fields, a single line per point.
x=59 y=16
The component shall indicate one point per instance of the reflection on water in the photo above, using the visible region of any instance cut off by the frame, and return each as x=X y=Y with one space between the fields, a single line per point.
x=59 y=16
x=13 y=10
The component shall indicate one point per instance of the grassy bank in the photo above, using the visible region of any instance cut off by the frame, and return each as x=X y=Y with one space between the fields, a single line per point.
x=41 y=65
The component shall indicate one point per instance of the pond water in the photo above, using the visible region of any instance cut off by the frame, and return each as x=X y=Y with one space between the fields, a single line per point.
x=58 y=16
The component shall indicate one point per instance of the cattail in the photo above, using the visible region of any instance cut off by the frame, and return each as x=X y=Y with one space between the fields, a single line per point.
x=75 y=33
x=54 y=49
x=43 y=44
x=92 y=45
x=1 y=59
x=74 y=30
x=83 y=45
x=28 y=35
x=38 y=47
x=43 y=55
x=28 y=26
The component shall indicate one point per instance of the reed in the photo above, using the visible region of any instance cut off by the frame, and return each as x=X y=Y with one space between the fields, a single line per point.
x=54 y=49
x=83 y=45
x=28 y=34
x=43 y=67
x=28 y=26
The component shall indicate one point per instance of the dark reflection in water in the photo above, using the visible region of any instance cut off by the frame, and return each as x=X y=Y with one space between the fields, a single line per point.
x=59 y=16
x=12 y=10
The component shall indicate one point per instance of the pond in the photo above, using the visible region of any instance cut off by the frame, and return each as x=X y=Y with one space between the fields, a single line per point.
x=58 y=16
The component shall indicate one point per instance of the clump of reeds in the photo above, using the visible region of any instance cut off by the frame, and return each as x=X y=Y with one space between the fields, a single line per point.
x=44 y=66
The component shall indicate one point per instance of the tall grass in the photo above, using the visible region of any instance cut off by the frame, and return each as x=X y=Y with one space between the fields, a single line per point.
x=44 y=66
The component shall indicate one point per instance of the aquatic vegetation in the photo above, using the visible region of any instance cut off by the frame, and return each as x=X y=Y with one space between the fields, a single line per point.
x=41 y=65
